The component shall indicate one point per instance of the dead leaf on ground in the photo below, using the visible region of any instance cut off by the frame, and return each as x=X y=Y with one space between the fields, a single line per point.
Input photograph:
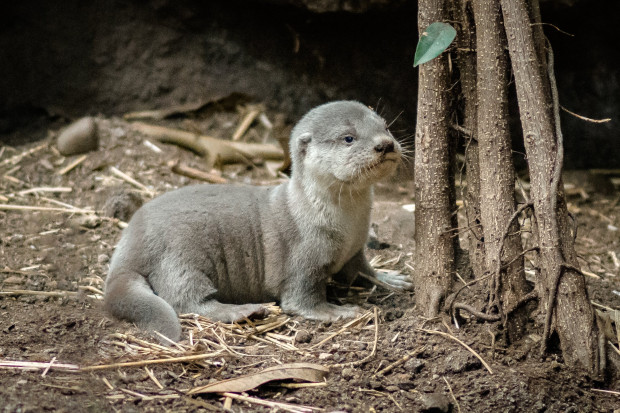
x=299 y=371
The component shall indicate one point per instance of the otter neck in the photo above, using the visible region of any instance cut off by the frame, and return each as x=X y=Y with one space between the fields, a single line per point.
x=338 y=195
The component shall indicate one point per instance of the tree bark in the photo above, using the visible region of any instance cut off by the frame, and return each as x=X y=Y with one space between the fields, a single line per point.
x=497 y=179
x=466 y=61
x=434 y=255
x=561 y=283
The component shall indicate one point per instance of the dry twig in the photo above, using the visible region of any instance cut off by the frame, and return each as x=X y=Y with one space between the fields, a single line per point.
x=274 y=405
x=195 y=357
x=374 y=346
x=194 y=173
x=130 y=180
x=72 y=165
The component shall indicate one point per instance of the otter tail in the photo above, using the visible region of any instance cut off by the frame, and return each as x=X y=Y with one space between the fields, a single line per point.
x=129 y=296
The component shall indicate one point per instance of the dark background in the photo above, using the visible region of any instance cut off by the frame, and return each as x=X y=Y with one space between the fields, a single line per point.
x=65 y=59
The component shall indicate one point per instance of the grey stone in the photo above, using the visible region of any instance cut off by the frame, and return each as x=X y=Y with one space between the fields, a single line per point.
x=460 y=361
x=435 y=403
x=414 y=365
x=79 y=137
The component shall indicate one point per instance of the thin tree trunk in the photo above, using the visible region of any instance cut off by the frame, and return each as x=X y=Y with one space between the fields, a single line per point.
x=497 y=201
x=466 y=60
x=434 y=255
x=563 y=288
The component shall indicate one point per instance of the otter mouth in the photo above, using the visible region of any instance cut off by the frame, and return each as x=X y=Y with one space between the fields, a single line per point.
x=376 y=168
x=392 y=157
x=387 y=158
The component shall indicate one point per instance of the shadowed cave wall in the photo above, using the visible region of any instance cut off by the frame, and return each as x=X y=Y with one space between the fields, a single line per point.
x=65 y=59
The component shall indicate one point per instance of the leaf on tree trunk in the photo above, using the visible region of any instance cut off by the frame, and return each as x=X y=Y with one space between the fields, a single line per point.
x=434 y=40
x=299 y=371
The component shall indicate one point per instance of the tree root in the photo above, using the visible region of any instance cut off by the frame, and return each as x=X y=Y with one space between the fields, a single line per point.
x=476 y=313
x=496 y=273
x=215 y=151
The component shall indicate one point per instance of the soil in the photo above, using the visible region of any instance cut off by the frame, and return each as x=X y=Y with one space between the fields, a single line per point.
x=46 y=251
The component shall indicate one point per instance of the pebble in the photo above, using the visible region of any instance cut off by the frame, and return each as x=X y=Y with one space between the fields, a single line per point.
x=414 y=365
x=347 y=373
x=303 y=337
x=87 y=221
x=79 y=137
x=460 y=361
x=435 y=403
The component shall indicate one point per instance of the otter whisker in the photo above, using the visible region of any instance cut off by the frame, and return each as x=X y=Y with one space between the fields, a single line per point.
x=396 y=118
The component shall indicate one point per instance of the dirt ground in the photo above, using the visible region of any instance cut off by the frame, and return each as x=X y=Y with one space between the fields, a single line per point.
x=53 y=265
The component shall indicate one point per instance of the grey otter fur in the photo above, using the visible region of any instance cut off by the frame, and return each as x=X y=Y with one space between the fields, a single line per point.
x=218 y=250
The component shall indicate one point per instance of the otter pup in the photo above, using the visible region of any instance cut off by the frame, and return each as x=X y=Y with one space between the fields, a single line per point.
x=217 y=250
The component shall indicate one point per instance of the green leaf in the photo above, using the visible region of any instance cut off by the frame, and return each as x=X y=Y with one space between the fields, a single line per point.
x=435 y=39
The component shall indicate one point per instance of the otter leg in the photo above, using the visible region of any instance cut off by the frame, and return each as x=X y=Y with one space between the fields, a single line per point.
x=129 y=296
x=189 y=289
x=358 y=263
x=305 y=295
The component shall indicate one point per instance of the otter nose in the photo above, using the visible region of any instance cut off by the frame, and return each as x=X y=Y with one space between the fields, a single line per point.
x=385 y=146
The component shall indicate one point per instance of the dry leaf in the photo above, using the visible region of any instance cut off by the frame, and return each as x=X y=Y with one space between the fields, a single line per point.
x=300 y=371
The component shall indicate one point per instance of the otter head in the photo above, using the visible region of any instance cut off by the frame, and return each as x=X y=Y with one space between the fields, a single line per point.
x=343 y=143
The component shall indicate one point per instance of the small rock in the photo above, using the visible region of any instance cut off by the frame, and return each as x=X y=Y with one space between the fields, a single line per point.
x=539 y=406
x=79 y=137
x=325 y=356
x=87 y=221
x=414 y=365
x=303 y=337
x=435 y=403
x=402 y=381
x=460 y=361
x=374 y=384
x=347 y=373
x=392 y=315
x=14 y=280
x=52 y=267
x=392 y=388
x=103 y=258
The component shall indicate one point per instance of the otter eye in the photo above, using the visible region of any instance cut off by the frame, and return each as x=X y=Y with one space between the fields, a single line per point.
x=349 y=139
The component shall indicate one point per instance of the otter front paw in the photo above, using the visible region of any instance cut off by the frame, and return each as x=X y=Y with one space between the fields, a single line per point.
x=395 y=279
x=329 y=312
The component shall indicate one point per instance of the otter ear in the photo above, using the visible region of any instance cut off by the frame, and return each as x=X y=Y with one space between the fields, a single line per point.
x=303 y=141
x=304 y=138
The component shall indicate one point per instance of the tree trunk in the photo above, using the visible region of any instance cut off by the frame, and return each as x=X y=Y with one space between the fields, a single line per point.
x=497 y=201
x=466 y=61
x=434 y=254
x=563 y=291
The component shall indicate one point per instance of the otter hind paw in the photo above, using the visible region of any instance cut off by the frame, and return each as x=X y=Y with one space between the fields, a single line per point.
x=395 y=279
